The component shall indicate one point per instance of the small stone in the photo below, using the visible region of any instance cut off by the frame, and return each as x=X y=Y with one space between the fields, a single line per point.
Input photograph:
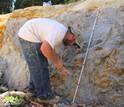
x=3 y=89
x=55 y=105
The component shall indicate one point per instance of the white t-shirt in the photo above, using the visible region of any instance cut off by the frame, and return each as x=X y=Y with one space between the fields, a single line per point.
x=40 y=29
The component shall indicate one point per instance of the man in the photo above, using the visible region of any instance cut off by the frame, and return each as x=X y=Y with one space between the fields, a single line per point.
x=38 y=38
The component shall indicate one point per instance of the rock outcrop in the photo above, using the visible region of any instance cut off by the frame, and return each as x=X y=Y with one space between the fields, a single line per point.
x=103 y=78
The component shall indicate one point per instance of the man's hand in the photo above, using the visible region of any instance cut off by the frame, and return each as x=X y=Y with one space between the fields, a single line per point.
x=64 y=72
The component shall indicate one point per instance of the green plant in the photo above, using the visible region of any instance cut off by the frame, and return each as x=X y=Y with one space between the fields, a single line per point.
x=13 y=100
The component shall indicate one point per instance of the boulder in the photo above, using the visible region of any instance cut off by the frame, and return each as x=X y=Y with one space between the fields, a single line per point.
x=103 y=77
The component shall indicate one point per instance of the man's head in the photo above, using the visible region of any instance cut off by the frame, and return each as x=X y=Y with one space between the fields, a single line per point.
x=70 y=39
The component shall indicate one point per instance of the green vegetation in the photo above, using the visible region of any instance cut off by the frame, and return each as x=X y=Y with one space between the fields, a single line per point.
x=27 y=3
x=13 y=100
x=7 y=6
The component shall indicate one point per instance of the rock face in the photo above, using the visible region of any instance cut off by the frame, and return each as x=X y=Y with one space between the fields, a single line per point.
x=103 y=78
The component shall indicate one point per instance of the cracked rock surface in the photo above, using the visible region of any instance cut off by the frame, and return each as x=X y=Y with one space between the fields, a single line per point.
x=103 y=78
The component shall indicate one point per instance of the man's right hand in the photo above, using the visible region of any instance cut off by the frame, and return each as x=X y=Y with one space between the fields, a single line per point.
x=64 y=72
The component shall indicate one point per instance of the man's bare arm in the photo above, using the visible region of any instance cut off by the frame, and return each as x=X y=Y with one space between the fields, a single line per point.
x=51 y=55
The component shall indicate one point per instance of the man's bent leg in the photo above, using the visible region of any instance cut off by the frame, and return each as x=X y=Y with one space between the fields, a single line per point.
x=45 y=86
x=38 y=68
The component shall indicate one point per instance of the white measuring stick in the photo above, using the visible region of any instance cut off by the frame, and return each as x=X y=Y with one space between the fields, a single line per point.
x=85 y=58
